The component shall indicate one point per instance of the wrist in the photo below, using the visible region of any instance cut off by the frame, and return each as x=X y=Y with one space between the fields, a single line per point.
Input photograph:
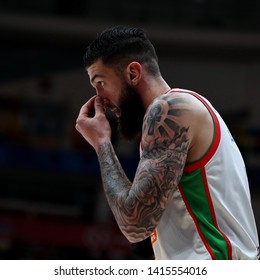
x=101 y=144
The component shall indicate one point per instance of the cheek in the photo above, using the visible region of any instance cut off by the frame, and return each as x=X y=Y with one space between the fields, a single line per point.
x=114 y=96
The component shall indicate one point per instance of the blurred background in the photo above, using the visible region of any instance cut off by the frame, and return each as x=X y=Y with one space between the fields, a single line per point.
x=51 y=200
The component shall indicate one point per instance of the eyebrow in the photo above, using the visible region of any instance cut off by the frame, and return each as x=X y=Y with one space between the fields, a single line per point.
x=96 y=76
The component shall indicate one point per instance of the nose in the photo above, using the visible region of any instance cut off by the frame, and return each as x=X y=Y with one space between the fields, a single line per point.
x=100 y=91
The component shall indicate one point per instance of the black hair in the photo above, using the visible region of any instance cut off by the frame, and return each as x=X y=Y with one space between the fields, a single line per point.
x=120 y=45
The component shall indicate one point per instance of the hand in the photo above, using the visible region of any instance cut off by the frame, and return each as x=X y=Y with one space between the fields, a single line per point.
x=92 y=122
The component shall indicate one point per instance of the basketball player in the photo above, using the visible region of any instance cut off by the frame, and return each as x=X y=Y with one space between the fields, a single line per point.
x=190 y=193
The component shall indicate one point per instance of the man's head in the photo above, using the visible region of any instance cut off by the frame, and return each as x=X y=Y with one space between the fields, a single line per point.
x=118 y=46
x=115 y=61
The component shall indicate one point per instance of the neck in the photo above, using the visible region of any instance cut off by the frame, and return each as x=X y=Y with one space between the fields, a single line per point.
x=153 y=89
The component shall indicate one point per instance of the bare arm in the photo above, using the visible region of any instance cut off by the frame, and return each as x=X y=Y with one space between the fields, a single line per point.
x=138 y=206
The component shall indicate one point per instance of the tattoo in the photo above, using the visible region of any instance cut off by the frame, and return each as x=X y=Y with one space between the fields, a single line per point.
x=139 y=206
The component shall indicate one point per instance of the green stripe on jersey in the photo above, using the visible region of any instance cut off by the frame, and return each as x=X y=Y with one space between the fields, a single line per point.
x=195 y=195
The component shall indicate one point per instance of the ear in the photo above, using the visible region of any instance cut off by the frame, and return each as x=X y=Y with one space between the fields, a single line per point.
x=134 y=73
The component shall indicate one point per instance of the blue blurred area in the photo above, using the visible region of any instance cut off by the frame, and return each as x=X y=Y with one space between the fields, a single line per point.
x=51 y=201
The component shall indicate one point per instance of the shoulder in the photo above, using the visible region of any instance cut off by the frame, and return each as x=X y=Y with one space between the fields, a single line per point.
x=171 y=107
x=185 y=107
x=183 y=118
x=179 y=101
x=165 y=121
x=177 y=117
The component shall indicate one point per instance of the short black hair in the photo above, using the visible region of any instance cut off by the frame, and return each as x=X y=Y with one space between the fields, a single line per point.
x=120 y=45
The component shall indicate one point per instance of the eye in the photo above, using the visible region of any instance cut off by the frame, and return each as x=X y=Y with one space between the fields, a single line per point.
x=101 y=84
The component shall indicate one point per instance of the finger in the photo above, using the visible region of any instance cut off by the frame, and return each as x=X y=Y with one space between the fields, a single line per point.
x=88 y=107
x=99 y=105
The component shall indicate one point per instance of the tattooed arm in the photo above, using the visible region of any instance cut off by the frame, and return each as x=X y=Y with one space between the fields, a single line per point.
x=138 y=206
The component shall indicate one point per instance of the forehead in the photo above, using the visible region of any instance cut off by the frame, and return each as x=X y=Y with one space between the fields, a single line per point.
x=98 y=69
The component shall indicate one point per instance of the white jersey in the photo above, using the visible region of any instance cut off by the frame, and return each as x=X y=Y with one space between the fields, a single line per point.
x=210 y=215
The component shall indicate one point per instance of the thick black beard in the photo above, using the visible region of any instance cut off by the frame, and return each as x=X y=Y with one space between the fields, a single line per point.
x=132 y=113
